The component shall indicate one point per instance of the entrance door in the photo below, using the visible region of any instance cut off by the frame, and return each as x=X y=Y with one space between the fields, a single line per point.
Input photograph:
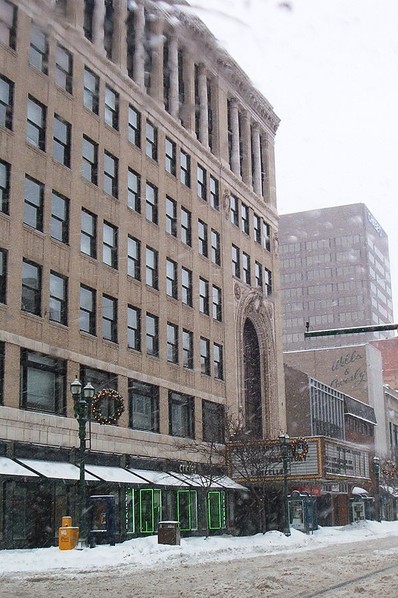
x=187 y=510
x=150 y=509
x=216 y=510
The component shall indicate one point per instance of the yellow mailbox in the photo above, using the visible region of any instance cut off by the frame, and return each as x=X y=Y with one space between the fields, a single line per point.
x=67 y=535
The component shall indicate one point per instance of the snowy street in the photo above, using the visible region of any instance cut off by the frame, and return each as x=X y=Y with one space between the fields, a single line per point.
x=347 y=561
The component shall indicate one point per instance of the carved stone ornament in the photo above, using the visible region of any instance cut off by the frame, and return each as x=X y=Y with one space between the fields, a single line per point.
x=237 y=291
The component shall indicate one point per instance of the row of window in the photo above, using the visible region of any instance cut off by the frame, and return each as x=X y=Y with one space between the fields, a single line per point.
x=44 y=388
x=241 y=268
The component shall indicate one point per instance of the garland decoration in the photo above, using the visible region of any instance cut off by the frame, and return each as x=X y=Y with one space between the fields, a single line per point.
x=389 y=469
x=112 y=414
x=299 y=449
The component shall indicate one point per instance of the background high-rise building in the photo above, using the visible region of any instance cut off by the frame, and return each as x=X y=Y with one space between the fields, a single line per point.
x=335 y=273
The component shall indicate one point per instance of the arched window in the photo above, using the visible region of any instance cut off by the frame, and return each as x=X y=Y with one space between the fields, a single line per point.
x=252 y=380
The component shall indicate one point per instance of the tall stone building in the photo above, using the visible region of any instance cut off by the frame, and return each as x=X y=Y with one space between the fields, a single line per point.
x=138 y=231
x=335 y=273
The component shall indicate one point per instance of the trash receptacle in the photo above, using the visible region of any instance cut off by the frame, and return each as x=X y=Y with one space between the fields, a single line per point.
x=67 y=534
x=169 y=533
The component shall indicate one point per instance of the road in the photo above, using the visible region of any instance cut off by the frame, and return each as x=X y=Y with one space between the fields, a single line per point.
x=365 y=568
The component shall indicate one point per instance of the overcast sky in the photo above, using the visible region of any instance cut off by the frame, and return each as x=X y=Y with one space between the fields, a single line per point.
x=330 y=70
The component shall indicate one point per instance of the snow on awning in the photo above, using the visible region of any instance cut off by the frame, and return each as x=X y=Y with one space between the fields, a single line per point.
x=117 y=475
x=357 y=490
x=8 y=467
x=198 y=481
x=56 y=470
x=229 y=484
x=158 y=478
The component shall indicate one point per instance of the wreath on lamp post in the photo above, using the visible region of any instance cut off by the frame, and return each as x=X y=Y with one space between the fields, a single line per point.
x=299 y=449
x=114 y=409
x=389 y=469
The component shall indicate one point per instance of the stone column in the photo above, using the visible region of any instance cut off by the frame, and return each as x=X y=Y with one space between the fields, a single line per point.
x=98 y=25
x=138 y=62
x=247 y=150
x=156 y=90
x=189 y=81
x=235 y=149
x=120 y=34
x=76 y=14
x=203 y=113
x=173 y=68
x=256 y=159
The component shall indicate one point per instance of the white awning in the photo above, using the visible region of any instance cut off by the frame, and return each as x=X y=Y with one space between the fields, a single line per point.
x=358 y=490
x=117 y=475
x=56 y=470
x=8 y=467
x=198 y=481
x=158 y=478
x=229 y=484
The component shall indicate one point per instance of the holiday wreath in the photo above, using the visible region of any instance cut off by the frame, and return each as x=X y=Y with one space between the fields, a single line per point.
x=299 y=449
x=111 y=414
x=389 y=469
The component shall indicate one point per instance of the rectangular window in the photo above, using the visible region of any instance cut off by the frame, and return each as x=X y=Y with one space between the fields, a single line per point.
x=91 y=91
x=33 y=204
x=58 y=308
x=90 y=160
x=88 y=239
x=111 y=113
x=134 y=191
x=134 y=132
x=234 y=209
x=267 y=281
x=205 y=356
x=6 y=101
x=218 y=367
x=98 y=378
x=43 y=382
x=109 y=245
x=187 y=349
x=215 y=247
x=61 y=140
x=185 y=168
x=134 y=258
x=172 y=343
x=202 y=239
x=144 y=406
x=204 y=296
x=213 y=418
x=63 y=68
x=235 y=261
x=171 y=279
x=36 y=124
x=134 y=328
x=151 y=203
x=171 y=216
x=59 y=224
x=266 y=236
x=181 y=415
x=217 y=304
x=246 y=269
x=88 y=310
x=5 y=171
x=186 y=227
x=258 y=273
x=151 y=267
x=214 y=193
x=38 y=52
x=201 y=182
x=109 y=318
x=31 y=288
x=151 y=141
x=170 y=156
x=244 y=212
x=111 y=169
x=8 y=23
x=186 y=286
x=257 y=228
x=3 y=277
x=152 y=335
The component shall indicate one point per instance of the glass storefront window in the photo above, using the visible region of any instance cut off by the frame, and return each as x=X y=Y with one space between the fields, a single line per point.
x=216 y=511
x=150 y=510
x=187 y=510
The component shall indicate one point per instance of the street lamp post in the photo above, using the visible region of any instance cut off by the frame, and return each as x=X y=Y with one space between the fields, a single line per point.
x=376 y=468
x=82 y=408
x=284 y=441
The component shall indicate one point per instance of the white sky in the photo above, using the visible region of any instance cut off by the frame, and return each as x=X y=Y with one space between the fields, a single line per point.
x=330 y=70
x=143 y=553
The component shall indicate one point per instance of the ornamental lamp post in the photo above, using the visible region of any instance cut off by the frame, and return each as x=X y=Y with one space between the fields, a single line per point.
x=82 y=408
x=376 y=468
x=284 y=441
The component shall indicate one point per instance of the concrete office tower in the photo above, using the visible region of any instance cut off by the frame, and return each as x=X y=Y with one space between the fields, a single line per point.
x=138 y=230
x=335 y=273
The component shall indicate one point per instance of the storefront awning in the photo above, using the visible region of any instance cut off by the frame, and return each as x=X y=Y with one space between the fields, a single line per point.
x=229 y=484
x=359 y=491
x=56 y=470
x=198 y=481
x=158 y=478
x=117 y=475
x=8 y=467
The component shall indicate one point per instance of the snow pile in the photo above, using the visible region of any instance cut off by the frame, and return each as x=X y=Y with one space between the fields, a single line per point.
x=147 y=553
